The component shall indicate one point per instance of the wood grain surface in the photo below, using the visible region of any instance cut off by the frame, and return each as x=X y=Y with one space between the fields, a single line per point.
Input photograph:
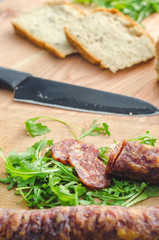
x=18 y=53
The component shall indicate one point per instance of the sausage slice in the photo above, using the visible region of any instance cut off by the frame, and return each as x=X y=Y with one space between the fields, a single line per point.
x=60 y=150
x=90 y=169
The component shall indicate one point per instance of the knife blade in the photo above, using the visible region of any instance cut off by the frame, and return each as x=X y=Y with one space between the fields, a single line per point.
x=28 y=88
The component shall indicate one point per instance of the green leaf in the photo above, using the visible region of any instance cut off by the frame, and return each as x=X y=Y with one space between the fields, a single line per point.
x=150 y=191
x=28 y=182
x=66 y=171
x=23 y=171
x=36 y=129
x=104 y=153
x=80 y=190
x=9 y=180
x=16 y=158
x=155 y=7
x=96 y=129
x=146 y=138
x=63 y=193
x=38 y=195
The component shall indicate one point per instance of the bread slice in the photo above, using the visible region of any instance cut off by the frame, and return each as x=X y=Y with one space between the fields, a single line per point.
x=109 y=38
x=157 y=58
x=44 y=26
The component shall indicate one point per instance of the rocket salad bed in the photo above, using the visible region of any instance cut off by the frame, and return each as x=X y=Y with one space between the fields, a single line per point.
x=44 y=182
x=138 y=10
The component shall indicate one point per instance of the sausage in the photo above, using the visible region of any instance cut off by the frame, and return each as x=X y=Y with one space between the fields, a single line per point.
x=60 y=150
x=85 y=159
x=90 y=169
x=81 y=223
x=135 y=161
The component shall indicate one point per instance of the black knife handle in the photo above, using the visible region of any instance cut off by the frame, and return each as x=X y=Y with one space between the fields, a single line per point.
x=10 y=79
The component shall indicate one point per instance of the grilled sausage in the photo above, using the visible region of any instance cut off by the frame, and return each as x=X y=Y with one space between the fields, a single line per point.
x=81 y=223
x=135 y=161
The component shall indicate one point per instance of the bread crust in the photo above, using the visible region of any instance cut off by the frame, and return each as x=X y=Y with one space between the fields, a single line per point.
x=88 y=55
x=80 y=48
x=38 y=42
x=157 y=58
x=22 y=32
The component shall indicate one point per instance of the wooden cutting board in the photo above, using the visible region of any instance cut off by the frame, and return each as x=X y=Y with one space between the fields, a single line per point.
x=18 y=53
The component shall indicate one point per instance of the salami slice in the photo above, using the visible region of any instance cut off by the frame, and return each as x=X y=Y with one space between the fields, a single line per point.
x=90 y=169
x=81 y=223
x=60 y=150
x=135 y=161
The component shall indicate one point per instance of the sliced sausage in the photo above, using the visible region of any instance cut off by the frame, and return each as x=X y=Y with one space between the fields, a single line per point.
x=90 y=169
x=135 y=161
x=60 y=150
x=81 y=223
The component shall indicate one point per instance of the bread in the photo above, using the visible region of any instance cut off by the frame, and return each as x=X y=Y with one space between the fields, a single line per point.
x=157 y=59
x=109 y=38
x=44 y=26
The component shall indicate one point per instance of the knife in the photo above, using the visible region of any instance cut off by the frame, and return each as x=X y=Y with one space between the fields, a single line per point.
x=30 y=89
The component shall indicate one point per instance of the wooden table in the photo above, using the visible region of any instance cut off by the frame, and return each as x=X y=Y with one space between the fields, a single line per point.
x=17 y=53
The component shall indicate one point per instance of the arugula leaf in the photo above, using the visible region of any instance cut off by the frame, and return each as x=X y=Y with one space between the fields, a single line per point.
x=64 y=194
x=37 y=129
x=14 y=157
x=37 y=197
x=10 y=180
x=95 y=129
x=25 y=172
x=146 y=138
x=104 y=153
x=65 y=172
x=22 y=183
x=145 y=193
x=138 y=10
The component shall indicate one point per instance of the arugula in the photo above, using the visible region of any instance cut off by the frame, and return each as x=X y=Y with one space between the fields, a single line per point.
x=69 y=193
x=143 y=194
x=136 y=9
x=95 y=129
x=40 y=180
x=37 y=129
x=146 y=138
x=104 y=153
x=118 y=192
